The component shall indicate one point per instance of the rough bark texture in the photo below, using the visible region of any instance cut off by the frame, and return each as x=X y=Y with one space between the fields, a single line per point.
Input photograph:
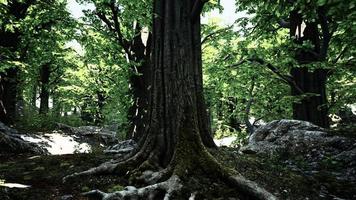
x=313 y=107
x=176 y=137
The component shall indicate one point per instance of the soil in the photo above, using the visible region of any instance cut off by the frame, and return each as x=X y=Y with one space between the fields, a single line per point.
x=45 y=173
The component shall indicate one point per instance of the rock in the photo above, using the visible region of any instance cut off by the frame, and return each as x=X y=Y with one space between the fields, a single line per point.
x=67 y=197
x=308 y=149
x=122 y=147
x=293 y=137
x=105 y=135
x=11 y=142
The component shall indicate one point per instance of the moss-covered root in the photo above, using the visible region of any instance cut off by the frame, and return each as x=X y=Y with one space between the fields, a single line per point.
x=250 y=188
x=172 y=185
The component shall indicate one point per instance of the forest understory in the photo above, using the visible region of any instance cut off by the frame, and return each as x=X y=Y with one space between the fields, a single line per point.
x=126 y=99
x=44 y=175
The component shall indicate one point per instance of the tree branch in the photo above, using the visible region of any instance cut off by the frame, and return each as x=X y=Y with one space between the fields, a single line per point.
x=284 y=24
x=288 y=79
x=212 y=34
x=237 y=64
x=105 y=20
x=343 y=51
x=115 y=28
x=325 y=31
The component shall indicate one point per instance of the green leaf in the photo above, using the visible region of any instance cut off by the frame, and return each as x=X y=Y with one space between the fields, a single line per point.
x=321 y=2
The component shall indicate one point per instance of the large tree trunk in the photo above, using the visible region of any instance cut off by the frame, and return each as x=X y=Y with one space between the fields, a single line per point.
x=311 y=108
x=8 y=93
x=10 y=41
x=313 y=105
x=178 y=112
x=174 y=138
x=8 y=78
x=45 y=73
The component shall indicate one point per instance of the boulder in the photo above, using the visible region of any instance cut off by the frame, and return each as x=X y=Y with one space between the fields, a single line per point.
x=11 y=142
x=104 y=134
x=307 y=148
x=293 y=137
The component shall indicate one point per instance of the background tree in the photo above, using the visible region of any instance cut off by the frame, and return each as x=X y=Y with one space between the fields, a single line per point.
x=126 y=23
x=240 y=90
x=314 y=26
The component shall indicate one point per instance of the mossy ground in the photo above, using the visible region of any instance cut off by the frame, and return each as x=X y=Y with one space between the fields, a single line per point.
x=45 y=173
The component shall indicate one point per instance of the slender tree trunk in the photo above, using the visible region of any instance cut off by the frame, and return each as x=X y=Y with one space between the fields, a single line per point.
x=34 y=95
x=250 y=127
x=312 y=107
x=99 y=118
x=56 y=107
x=139 y=81
x=45 y=73
x=233 y=121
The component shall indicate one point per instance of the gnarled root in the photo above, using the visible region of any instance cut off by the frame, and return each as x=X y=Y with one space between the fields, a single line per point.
x=250 y=188
x=172 y=185
x=105 y=168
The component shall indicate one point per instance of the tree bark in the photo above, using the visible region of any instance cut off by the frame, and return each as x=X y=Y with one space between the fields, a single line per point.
x=8 y=78
x=56 y=106
x=313 y=105
x=174 y=139
x=45 y=73
x=99 y=117
x=139 y=81
x=34 y=95
x=8 y=94
x=233 y=121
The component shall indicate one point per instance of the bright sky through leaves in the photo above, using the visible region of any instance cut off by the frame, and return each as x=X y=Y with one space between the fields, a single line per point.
x=227 y=17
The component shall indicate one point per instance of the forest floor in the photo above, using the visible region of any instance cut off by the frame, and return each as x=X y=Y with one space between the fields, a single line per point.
x=44 y=175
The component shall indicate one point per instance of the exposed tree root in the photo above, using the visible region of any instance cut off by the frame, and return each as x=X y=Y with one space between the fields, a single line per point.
x=116 y=166
x=170 y=186
x=185 y=163
x=250 y=187
x=105 y=168
x=190 y=158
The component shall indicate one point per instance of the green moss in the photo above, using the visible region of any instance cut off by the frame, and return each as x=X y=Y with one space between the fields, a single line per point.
x=85 y=189
x=116 y=188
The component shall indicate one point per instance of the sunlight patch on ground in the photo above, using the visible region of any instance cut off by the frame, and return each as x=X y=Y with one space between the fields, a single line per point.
x=12 y=185
x=353 y=108
x=226 y=141
x=57 y=144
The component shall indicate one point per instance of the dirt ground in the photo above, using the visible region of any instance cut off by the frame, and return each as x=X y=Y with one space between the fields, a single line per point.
x=44 y=174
